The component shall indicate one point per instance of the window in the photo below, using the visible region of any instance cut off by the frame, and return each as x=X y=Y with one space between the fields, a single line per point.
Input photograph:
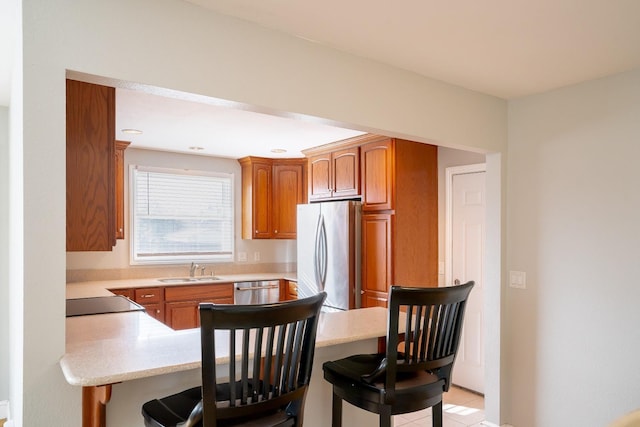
x=180 y=216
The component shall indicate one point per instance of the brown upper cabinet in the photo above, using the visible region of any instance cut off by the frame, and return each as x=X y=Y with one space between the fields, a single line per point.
x=334 y=174
x=378 y=175
x=91 y=211
x=271 y=191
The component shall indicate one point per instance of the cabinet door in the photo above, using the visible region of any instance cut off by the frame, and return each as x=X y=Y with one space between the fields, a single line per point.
x=346 y=172
x=377 y=267
x=377 y=163
x=155 y=310
x=290 y=290
x=288 y=191
x=90 y=167
x=182 y=315
x=320 y=177
x=262 y=201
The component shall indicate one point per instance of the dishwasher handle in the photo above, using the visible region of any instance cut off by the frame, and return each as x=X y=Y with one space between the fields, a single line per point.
x=256 y=288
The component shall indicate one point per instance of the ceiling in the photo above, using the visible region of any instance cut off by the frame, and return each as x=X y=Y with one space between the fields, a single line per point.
x=504 y=48
x=206 y=128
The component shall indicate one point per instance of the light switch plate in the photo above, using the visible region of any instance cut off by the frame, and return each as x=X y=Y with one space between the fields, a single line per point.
x=518 y=279
x=242 y=257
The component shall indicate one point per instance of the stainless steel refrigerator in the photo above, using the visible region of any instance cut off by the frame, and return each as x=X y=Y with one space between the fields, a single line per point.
x=329 y=253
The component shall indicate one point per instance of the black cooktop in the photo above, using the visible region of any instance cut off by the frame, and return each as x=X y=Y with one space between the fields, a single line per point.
x=101 y=305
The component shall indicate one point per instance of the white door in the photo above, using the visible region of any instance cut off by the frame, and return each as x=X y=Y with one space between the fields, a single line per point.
x=466 y=235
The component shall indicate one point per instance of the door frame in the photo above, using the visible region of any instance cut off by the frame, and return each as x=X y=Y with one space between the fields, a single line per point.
x=450 y=172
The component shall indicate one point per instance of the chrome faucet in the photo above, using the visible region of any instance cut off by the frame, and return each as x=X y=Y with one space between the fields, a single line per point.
x=192 y=269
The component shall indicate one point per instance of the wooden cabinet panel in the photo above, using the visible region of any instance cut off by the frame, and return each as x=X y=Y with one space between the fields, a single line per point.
x=182 y=315
x=377 y=165
x=346 y=172
x=320 y=180
x=289 y=290
x=155 y=310
x=271 y=191
x=335 y=174
x=288 y=192
x=119 y=183
x=374 y=299
x=262 y=200
x=220 y=293
x=90 y=124
x=148 y=295
x=377 y=267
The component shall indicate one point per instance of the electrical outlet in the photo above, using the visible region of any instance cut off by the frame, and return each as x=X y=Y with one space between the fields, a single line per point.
x=256 y=256
x=242 y=257
x=518 y=279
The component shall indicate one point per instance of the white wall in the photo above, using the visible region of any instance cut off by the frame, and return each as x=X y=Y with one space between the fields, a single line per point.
x=573 y=212
x=4 y=252
x=172 y=44
x=271 y=251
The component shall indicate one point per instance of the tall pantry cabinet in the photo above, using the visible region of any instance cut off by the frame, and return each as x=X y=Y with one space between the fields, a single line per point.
x=399 y=217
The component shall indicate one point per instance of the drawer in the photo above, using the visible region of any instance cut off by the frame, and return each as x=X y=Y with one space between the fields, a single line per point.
x=211 y=293
x=148 y=295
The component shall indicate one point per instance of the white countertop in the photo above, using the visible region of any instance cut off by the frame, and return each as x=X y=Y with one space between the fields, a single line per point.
x=110 y=348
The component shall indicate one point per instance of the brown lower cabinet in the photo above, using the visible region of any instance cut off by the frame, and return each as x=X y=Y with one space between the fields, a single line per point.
x=181 y=302
x=177 y=306
x=288 y=290
x=182 y=315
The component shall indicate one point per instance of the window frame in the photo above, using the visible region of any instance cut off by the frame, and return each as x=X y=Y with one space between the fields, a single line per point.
x=177 y=259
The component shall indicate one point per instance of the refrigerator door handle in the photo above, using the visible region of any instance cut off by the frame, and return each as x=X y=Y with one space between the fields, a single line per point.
x=320 y=262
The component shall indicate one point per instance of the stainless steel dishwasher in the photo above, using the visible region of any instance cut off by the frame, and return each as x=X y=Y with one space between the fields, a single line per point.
x=262 y=292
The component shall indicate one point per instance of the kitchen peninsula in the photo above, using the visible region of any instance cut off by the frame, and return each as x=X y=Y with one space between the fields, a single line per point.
x=121 y=360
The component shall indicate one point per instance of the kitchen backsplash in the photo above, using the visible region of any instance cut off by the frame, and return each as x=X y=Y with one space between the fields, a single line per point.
x=143 y=272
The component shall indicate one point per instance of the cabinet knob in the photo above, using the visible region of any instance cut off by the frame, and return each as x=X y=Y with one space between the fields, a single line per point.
x=275 y=231
x=147 y=296
x=158 y=311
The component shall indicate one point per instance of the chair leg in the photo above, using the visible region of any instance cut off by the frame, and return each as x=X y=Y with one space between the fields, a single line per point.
x=385 y=416
x=436 y=414
x=336 y=411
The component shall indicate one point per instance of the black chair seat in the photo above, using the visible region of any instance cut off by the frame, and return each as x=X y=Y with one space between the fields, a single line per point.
x=177 y=408
x=415 y=369
x=346 y=376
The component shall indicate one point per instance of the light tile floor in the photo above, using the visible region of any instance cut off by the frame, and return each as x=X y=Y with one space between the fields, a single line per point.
x=460 y=408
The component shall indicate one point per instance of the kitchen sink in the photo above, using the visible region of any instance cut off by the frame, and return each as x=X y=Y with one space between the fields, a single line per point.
x=189 y=279
x=205 y=279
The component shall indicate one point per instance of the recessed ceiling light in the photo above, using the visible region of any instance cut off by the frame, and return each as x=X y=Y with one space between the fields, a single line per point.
x=196 y=148
x=278 y=150
x=132 y=131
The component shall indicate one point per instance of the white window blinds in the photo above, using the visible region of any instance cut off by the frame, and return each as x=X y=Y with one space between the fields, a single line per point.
x=181 y=215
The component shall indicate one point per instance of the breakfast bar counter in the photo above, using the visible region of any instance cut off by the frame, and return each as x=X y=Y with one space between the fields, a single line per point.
x=146 y=359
